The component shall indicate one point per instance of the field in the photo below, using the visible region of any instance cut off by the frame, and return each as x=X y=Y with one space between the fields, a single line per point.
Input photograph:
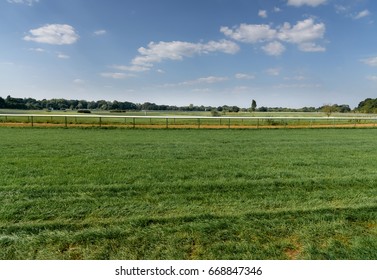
x=173 y=119
x=188 y=194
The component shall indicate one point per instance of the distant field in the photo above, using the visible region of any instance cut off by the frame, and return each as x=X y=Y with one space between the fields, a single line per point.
x=188 y=194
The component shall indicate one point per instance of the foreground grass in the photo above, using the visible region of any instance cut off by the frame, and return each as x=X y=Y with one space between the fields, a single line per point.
x=188 y=194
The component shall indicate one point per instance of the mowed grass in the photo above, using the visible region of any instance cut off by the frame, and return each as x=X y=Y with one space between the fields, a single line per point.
x=188 y=194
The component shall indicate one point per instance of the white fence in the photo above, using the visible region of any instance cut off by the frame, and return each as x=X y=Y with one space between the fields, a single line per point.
x=181 y=121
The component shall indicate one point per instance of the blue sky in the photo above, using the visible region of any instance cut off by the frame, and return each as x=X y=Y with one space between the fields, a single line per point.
x=282 y=53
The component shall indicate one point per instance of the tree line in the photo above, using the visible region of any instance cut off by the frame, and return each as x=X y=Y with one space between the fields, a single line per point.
x=65 y=104
x=367 y=106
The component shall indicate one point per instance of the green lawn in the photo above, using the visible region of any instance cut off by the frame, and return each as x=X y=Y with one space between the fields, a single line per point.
x=188 y=194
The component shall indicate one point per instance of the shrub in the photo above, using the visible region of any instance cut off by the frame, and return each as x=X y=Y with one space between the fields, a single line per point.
x=84 y=111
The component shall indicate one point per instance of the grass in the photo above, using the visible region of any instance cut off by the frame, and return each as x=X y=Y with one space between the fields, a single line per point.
x=188 y=194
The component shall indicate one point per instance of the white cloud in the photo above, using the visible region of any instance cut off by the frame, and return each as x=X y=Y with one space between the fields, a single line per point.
x=132 y=68
x=205 y=80
x=250 y=33
x=277 y=9
x=340 y=9
x=372 y=61
x=27 y=2
x=100 y=32
x=176 y=50
x=273 y=71
x=311 y=47
x=262 y=13
x=37 y=50
x=63 y=56
x=274 y=48
x=362 y=14
x=117 y=75
x=54 y=34
x=299 y=3
x=243 y=76
x=304 y=33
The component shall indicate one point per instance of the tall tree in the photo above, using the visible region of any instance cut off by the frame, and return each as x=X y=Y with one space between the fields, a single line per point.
x=253 y=105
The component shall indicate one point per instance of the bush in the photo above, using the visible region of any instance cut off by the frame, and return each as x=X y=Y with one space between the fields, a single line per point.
x=85 y=111
x=215 y=113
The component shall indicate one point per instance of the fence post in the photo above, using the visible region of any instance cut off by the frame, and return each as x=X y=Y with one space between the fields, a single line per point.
x=198 y=122
x=228 y=122
x=167 y=123
x=100 y=121
x=133 y=122
x=32 y=121
x=65 y=121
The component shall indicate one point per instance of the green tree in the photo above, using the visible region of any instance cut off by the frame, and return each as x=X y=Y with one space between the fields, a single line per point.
x=328 y=109
x=253 y=105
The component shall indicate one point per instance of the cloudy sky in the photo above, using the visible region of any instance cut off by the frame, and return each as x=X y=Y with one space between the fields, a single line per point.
x=282 y=53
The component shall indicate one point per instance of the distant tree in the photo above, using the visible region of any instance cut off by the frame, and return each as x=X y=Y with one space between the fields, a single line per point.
x=2 y=102
x=369 y=105
x=253 y=106
x=344 y=108
x=263 y=109
x=328 y=109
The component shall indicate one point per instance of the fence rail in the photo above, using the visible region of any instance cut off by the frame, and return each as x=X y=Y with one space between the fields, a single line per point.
x=171 y=121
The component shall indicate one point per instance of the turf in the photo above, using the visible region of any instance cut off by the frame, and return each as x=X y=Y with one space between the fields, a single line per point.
x=188 y=194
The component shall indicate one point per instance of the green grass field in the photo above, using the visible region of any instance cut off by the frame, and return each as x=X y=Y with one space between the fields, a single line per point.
x=188 y=194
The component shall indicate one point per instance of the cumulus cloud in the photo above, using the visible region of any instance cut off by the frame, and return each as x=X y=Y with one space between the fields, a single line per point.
x=27 y=2
x=54 y=34
x=262 y=13
x=299 y=3
x=274 y=48
x=304 y=34
x=175 y=50
x=250 y=33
